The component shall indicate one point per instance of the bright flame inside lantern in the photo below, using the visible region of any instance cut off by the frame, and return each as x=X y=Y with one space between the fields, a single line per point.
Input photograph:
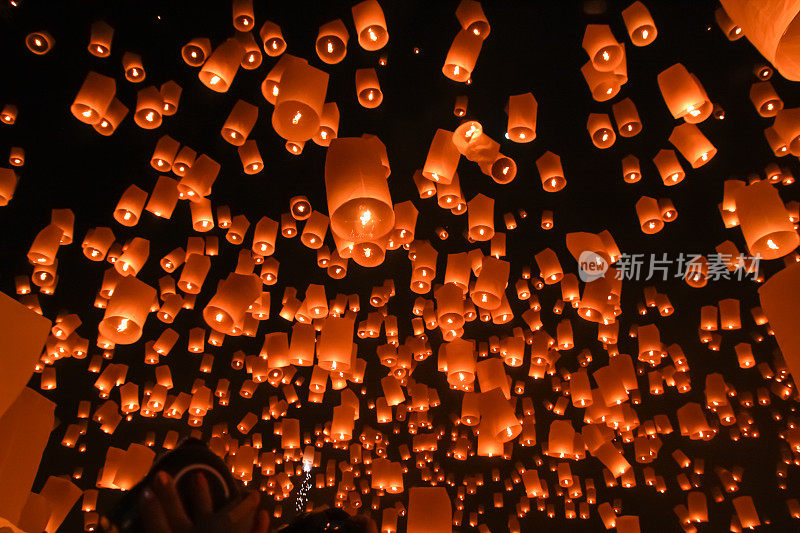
x=123 y=325
x=296 y=118
x=214 y=80
x=772 y=244
x=365 y=217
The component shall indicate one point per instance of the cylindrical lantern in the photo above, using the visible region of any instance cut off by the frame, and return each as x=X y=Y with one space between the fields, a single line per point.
x=331 y=42
x=370 y=25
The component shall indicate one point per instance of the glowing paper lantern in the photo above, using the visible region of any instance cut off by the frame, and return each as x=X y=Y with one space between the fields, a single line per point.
x=331 y=42
x=300 y=101
x=440 y=165
x=764 y=220
x=39 y=42
x=600 y=130
x=100 y=39
x=94 y=98
x=480 y=212
x=196 y=51
x=358 y=195
x=239 y=123
x=551 y=172
x=112 y=117
x=243 y=17
x=149 y=107
x=771 y=27
x=272 y=37
x=521 y=116
x=199 y=178
x=220 y=68
x=370 y=25
x=229 y=304
x=368 y=88
x=627 y=118
x=127 y=311
x=639 y=23
x=462 y=56
x=684 y=95
x=604 y=51
x=765 y=99
x=670 y=168
x=692 y=144
x=130 y=206
x=472 y=19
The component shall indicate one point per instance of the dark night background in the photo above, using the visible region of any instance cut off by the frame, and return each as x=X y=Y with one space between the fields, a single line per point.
x=533 y=46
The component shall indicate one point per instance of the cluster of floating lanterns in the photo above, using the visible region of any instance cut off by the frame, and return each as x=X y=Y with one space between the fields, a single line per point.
x=321 y=359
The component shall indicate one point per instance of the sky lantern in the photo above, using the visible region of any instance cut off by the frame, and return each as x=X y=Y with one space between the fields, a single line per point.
x=94 y=98
x=368 y=88
x=239 y=123
x=522 y=117
x=551 y=172
x=440 y=165
x=683 y=94
x=692 y=144
x=770 y=28
x=170 y=95
x=370 y=25
x=462 y=56
x=127 y=311
x=331 y=42
x=639 y=23
x=604 y=51
x=196 y=51
x=219 y=69
x=39 y=42
x=764 y=221
x=358 y=195
x=299 y=103
x=100 y=39
x=627 y=118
